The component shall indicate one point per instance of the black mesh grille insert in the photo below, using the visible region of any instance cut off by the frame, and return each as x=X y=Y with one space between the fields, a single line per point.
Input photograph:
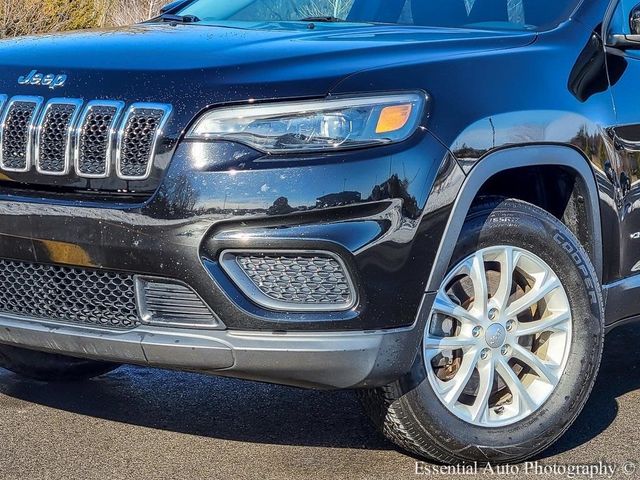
x=94 y=140
x=66 y=294
x=53 y=138
x=298 y=279
x=291 y=281
x=137 y=144
x=15 y=136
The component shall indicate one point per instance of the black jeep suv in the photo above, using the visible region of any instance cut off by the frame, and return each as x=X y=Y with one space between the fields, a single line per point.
x=434 y=202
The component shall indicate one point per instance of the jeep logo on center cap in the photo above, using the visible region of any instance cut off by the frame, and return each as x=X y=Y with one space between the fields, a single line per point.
x=46 y=80
x=496 y=335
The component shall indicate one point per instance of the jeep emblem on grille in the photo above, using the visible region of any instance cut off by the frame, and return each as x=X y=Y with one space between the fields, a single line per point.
x=46 y=80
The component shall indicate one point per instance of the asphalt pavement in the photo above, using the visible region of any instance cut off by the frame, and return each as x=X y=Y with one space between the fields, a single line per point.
x=152 y=424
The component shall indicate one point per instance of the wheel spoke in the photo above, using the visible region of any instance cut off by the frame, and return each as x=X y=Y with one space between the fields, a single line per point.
x=542 y=369
x=540 y=290
x=553 y=323
x=508 y=260
x=517 y=389
x=452 y=389
x=478 y=276
x=448 y=343
x=443 y=304
x=480 y=407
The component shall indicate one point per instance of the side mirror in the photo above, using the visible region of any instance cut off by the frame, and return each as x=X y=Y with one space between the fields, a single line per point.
x=632 y=40
x=634 y=20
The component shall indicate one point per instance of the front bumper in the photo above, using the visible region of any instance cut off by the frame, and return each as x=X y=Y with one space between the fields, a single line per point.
x=329 y=360
x=382 y=211
x=377 y=220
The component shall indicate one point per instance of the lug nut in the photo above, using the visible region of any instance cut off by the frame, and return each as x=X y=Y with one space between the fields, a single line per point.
x=484 y=354
x=493 y=313
x=505 y=350
x=511 y=324
x=477 y=331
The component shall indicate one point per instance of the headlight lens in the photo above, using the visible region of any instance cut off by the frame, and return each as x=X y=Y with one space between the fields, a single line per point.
x=316 y=126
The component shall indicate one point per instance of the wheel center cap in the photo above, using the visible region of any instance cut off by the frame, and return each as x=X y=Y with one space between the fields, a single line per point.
x=496 y=335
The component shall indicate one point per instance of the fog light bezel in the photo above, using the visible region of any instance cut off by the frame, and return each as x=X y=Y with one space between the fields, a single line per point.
x=250 y=290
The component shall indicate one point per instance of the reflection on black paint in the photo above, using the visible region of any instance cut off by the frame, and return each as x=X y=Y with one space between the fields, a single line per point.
x=280 y=207
x=338 y=199
x=396 y=188
x=176 y=199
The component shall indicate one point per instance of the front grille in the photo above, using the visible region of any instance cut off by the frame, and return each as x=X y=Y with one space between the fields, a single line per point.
x=16 y=133
x=53 y=143
x=102 y=136
x=294 y=280
x=70 y=295
x=142 y=126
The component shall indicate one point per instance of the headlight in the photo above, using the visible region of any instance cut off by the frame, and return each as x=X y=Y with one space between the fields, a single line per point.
x=316 y=126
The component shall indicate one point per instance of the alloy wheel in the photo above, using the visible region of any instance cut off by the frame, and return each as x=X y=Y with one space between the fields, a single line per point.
x=498 y=336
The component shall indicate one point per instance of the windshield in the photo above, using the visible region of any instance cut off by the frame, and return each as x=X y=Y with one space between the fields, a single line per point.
x=484 y=14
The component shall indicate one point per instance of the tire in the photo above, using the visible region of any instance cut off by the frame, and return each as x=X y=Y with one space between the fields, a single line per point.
x=50 y=367
x=413 y=415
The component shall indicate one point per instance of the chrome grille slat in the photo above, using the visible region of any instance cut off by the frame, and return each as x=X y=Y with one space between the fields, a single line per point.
x=16 y=133
x=137 y=139
x=54 y=136
x=66 y=137
x=94 y=143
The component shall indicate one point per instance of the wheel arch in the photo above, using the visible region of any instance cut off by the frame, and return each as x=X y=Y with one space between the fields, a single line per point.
x=513 y=158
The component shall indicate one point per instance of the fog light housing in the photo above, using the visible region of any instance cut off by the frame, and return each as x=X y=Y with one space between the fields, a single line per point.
x=291 y=280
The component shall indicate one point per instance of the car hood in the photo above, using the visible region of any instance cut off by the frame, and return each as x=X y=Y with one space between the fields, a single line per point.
x=201 y=65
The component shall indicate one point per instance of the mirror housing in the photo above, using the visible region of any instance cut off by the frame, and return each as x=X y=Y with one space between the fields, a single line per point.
x=634 y=21
x=631 y=41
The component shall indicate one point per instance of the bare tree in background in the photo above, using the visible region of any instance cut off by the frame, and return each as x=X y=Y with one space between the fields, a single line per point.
x=19 y=18
x=26 y=17
x=324 y=8
x=128 y=12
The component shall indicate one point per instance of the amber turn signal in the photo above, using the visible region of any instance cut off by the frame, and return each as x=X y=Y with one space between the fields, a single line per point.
x=394 y=118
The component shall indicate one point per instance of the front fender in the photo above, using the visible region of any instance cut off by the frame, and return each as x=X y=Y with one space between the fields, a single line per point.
x=504 y=160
